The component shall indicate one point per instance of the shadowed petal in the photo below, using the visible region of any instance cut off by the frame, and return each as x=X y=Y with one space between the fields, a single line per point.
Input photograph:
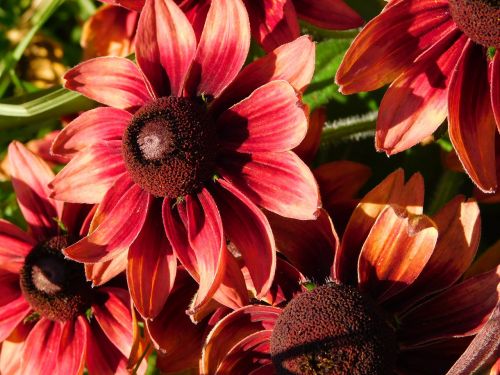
x=328 y=14
x=487 y=261
x=416 y=102
x=389 y=43
x=101 y=272
x=94 y=126
x=471 y=120
x=40 y=355
x=116 y=232
x=114 y=317
x=272 y=118
x=72 y=346
x=14 y=246
x=90 y=174
x=13 y=307
x=278 y=181
x=222 y=49
x=114 y=81
x=494 y=67
x=165 y=46
x=396 y=250
x=151 y=266
x=130 y=4
x=309 y=146
x=30 y=177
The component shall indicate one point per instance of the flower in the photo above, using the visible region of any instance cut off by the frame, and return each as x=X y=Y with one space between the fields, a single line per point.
x=395 y=302
x=190 y=142
x=273 y=22
x=442 y=61
x=51 y=320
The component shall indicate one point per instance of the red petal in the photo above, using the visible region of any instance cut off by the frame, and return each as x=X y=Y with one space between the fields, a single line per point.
x=40 y=355
x=494 y=67
x=30 y=177
x=114 y=81
x=277 y=181
x=114 y=317
x=389 y=43
x=14 y=246
x=91 y=127
x=151 y=266
x=90 y=174
x=12 y=349
x=471 y=119
x=72 y=346
x=395 y=252
x=273 y=22
x=292 y=62
x=129 y=4
x=248 y=229
x=309 y=146
x=328 y=14
x=117 y=232
x=416 y=102
x=165 y=46
x=272 y=118
x=13 y=307
x=100 y=273
x=222 y=49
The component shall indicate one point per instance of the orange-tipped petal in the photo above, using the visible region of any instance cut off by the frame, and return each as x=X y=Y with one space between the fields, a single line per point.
x=101 y=272
x=487 y=261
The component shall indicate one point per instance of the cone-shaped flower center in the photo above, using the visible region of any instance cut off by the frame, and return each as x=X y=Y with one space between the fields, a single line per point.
x=478 y=19
x=54 y=286
x=333 y=329
x=169 y=147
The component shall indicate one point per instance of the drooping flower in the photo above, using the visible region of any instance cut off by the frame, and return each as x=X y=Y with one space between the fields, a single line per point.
x=51 y=320
x=190 y=141
x=273 y=22
x=442 y=62
x=396 y=301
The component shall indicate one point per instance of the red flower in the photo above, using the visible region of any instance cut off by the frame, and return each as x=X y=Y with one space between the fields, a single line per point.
x=273 y=22
x=45 y=299
x=399 y=302
x=438 y=58
x=188 y=139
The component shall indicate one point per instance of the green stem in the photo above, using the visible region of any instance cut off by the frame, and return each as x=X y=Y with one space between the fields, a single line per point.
x=344 y=129
x=448 y=186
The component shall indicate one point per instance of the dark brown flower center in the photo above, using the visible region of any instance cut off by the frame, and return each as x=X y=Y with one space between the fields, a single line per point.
x=169 y=147
x=478 y=19
x=55 y=287
x=333 y=329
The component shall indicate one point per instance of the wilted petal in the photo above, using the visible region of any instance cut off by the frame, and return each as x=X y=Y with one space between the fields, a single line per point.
x=91 y=127
x=14 y=246
x=396 y=250
x=272 y=118
x=471 y=119
x=114 y=81
x=328 y=14
x=165 y=46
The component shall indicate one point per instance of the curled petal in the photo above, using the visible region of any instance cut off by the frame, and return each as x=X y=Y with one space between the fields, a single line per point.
x=328 y=14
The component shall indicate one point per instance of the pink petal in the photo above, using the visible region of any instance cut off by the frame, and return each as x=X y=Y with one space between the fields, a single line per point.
x=30 y=177
x=13 y=307
x=90 y=174
x=14 y=246
x=12 y=348
x=91 y=127
x=114 y=317
x=292 y=62
x=248 y=229
x=390 y=42
x=165 y=47
x=273 y=22
x=272 y=118
x=328 y=14
x=416 y=102
x=471 y=119
x=279 y=182
x=198 y=241
x=40 y=355
x=495 y=87
x=116 y=232
x=151 y=266
x=72 y=345
x=114 y=81
x=100 y=273
x=222 y=49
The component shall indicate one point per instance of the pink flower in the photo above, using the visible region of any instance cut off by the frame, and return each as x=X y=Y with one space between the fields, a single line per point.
x=51 y=320
x=190 y=144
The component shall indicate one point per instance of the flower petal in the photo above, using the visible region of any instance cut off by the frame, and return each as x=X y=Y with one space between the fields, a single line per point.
x=416 y=102
x=278 y=181
x=12 y=349
x=90 y=174
x=471 y=120
x=390 y=42
x=91 y=127
x=114 y=81
x=129 y=4
x=494 y=67
x=14 y=246
x=41 y=349
x=72 y=346
x=30 y=177
x=13 y=307
x=272 y=118
x=396 y=250
x=222 y=50
x=101 y=272
x=328 y=14
x=114 y=317
x=166 y=46
x=151 y=266
x=309 y=146
x=116 y=232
